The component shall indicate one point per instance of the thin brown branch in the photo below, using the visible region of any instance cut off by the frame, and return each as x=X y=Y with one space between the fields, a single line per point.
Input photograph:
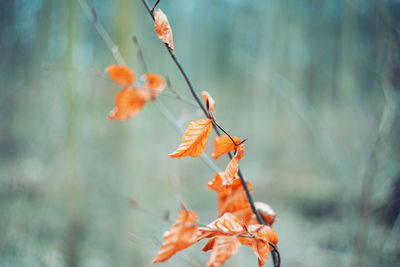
x=140 y=54
x=197 y=98
x=275 y=253
x=222 y=129
x=155 y=5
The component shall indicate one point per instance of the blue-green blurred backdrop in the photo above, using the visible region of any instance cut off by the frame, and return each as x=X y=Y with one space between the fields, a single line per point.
x=313 y=84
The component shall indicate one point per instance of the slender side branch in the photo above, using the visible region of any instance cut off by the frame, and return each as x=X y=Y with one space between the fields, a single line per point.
x=140 y=54
x=91 y=15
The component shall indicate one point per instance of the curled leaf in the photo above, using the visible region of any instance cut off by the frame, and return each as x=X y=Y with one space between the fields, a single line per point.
x=233 y=166
x=223 y=144
x=210 y=102
x=194 y=139
x=121 y=75
x=182 y=234
x=128 y=103
x=223 y=248
x=154 y=83
x=266 y=212
x=162 y=28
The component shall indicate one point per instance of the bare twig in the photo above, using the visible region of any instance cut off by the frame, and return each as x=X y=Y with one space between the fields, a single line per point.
x=145 y=69
x=140 y=54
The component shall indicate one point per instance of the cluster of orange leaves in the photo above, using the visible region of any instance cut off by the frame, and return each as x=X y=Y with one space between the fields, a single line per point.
x=131 y=100
x=236 y=223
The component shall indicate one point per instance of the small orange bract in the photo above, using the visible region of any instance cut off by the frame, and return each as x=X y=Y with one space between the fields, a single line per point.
x=121 y=75
x=163 y=29
x=194 y=139
x=128 y=103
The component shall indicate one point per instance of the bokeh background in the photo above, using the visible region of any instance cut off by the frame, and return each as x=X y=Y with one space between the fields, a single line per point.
x=313 y=84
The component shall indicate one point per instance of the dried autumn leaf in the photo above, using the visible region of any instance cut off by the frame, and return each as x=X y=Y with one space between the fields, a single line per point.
x=121 y=75
x=223 y=248
x=231 y=198
x=262 y=235
x=234 y=200
x=223 y=144
x=194 y=139
x=162 y=28
x=261 y=250
x=154 y=83
x=227 y=224
x=216 y=183
x=128 y=103
x=210 y=102
x=233 y=166
x=182 y=234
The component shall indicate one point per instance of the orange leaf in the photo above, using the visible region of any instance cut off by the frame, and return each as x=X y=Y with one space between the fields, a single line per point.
x=233 y=166
x=194 y=139
x=121 y=75
x=162 y=28
x=210 y=102
x=261 y=249
x=223 y=144
x=227 y=224
x=231 y=198
x=234 y=198
x=262 y=235
x=154 y=83
x=264 y=232
x=215 y=184
x=223 y=248
x=128 y=103
x=182 y=234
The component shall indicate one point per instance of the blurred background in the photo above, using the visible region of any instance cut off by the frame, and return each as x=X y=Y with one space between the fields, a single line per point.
x=313 y=84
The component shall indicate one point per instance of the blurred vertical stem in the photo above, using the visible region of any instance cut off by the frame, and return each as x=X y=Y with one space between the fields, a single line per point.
x=73 y=195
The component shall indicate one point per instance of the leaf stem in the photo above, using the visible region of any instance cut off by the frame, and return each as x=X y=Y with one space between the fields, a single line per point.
x=219 y=126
